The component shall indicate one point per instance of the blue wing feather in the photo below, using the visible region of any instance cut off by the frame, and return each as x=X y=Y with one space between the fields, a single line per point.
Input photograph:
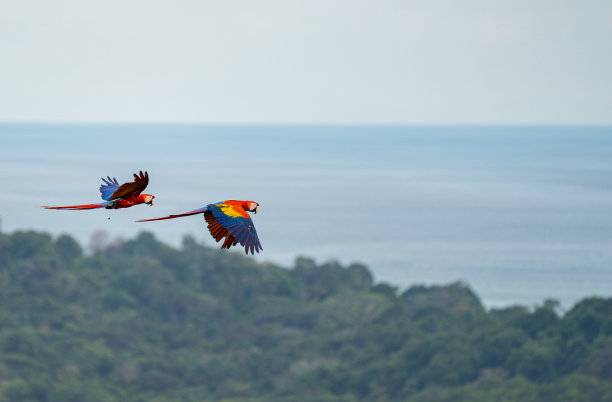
x=242 y=235
x=108 y=188
x=241 y=228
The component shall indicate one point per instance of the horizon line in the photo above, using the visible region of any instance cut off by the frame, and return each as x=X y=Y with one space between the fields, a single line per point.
x=297 y=124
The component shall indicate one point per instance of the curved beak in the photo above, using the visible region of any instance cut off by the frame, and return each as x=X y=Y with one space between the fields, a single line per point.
x=152 y=202
x=256 y=209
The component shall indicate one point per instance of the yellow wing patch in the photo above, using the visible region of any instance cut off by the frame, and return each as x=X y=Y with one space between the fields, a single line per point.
x=229 y=210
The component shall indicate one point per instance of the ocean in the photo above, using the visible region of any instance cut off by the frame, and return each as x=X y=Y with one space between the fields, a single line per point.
x=520 y=214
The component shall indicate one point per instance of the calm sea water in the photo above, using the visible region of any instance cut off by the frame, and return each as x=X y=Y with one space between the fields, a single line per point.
x=521 y=214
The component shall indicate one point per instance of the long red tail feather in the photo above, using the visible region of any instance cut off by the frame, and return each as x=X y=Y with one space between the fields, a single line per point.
x=171 y=216
x=76 y=207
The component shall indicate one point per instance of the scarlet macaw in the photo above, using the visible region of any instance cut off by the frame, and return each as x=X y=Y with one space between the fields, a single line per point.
x=227 y=219
x=118 y=196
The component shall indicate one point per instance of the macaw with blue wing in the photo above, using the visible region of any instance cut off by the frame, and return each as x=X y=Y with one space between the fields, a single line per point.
x=230 y=220
x=117 y=196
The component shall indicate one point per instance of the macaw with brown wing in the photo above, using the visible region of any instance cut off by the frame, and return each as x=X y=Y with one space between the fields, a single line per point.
x=228 y=219
x=117 y=196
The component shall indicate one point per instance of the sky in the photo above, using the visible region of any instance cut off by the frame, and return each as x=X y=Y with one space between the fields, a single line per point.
x=292 y=62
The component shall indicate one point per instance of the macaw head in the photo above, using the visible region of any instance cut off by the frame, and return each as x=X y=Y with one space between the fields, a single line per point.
x=149 y=199
x=252 y=206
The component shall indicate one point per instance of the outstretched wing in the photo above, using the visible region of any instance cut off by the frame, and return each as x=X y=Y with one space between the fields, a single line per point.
x=132 y=188
x=233 y=223
x=194 y=212
x=109 y=187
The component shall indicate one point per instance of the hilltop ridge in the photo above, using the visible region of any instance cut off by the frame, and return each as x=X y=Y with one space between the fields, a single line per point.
x=142 y=321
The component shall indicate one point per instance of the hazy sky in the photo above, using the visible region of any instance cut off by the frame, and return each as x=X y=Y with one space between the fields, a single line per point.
x=333 y=61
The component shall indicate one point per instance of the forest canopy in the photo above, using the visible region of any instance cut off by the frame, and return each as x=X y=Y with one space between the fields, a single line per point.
x=139 y=320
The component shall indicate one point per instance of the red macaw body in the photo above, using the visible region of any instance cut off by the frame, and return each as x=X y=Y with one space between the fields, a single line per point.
x=117 y=196
x=230 y=220
x=131 y=201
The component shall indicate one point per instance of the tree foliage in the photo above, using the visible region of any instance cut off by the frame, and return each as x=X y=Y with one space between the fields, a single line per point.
x=142 y=321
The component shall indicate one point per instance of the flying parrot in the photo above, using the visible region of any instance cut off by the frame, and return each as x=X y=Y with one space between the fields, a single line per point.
x=228 y=219
x=117 y=196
